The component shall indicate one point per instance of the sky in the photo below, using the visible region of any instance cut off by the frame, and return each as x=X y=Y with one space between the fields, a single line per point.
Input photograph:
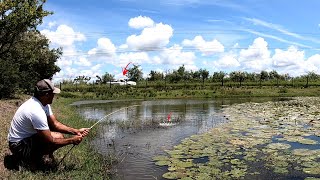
x=103 y=36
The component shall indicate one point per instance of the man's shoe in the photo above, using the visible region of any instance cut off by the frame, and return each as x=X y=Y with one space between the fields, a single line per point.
x=11 y=162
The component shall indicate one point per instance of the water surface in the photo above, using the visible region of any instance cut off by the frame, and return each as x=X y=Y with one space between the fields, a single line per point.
x=133 y=136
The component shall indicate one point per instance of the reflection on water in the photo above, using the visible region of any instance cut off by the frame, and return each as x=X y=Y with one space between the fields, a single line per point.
x=134 y=137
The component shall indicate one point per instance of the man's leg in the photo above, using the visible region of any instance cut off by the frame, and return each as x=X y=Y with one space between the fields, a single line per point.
x=22 y=152
x=33 y=152
x=48 y=159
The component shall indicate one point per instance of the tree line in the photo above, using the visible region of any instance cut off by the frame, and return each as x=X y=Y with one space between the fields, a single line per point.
x=203 y=75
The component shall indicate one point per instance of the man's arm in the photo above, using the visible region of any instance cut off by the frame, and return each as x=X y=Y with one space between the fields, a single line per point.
x=47 y=137
x=57 y=126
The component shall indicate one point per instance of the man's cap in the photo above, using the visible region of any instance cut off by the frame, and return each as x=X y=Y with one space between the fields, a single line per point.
x=45 y=85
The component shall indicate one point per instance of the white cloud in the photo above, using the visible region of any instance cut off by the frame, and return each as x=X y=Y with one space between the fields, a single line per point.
x=64 y=36
x=135 y=58
x=105 y=48
x=140 y=22
x=63 y=62
x=175 y=56
x=315 y=59
x=82 y=62
x=151 y=38
x=52 y=24
x=293 y=61
x=207 y=48
x=123 y=47
x=226 y=61
x=257 y=57
x=92 y=72
x=291 y=57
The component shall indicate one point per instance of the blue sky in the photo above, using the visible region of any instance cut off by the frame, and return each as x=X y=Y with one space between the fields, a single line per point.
x=217 y=35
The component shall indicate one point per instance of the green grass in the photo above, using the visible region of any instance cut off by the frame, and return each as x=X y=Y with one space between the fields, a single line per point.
x=187 y=91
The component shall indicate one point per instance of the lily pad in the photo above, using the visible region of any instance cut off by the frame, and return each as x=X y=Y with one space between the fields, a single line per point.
x=278 y=146
x=312 y=170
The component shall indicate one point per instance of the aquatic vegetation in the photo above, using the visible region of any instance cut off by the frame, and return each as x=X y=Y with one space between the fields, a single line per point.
x=278 y=146
x=279 y=137
x=312 y=170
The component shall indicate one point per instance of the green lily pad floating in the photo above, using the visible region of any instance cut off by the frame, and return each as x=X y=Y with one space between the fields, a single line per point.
x=237 y=173
x=304 y=152
x=311 y=178
x=310 y=164
x=312 y=170
x=160 y=158
x=278 y=146
x=163 y=163
x=237 y=142
x=308 y=141
x=186 y=178
x=235 y=161
x=183 y=164
x=175 y=152
x=248 y=138
x=203 y=176
x=281 y=170
x=173 y=175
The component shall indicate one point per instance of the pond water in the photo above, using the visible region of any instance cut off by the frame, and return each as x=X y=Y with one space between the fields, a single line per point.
x=133 y=135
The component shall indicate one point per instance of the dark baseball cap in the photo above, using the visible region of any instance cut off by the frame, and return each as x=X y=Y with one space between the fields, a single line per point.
x=45 y=85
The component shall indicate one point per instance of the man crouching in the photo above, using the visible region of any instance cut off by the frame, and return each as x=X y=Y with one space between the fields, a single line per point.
x=35 y=133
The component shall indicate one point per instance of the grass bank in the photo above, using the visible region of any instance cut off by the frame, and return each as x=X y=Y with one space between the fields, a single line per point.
x=81 y=163
x=187 y=91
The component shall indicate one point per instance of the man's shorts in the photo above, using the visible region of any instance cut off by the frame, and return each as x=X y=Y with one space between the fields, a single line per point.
x=27 y=149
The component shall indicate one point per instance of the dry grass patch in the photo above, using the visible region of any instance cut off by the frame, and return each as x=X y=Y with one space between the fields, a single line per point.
x=7 y=110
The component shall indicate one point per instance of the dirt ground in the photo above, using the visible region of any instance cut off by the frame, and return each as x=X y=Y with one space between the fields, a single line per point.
x=7 y=110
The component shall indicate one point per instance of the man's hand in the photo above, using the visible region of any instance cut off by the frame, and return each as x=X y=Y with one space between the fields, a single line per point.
x=83 y=132
x=76 y=139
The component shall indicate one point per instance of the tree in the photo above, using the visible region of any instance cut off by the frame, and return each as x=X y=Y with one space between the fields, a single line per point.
x=218 y=77
x=16 y=18
x=25 y=56
x=204 y=74
x=82 y=79
x=264 y=75
x=274 y=75
x=237 y=76
x=107 y=77
x=34 y=59
x=313 y=76
x=195 y=75
x=134 y=73
x=310 y=76
x=155 y=76
x=181 y=72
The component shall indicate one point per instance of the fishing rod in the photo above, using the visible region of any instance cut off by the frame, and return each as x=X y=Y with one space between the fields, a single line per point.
x=93 y=126
x=111 y=114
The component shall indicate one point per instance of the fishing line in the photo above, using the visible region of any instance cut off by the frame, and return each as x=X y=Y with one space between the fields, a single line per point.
x=93 y=126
